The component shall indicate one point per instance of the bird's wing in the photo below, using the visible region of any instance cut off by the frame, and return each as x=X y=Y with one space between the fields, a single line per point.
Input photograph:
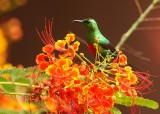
x=79 y=38
x=108 y=46
x=105 y=43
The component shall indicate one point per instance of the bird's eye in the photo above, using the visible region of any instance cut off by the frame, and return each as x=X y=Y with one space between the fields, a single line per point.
x=86 y=22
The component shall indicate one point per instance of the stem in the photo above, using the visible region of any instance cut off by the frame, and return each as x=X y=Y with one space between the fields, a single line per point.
x=148 y=28
x=25 y=94
x=79 y=57
x=21 y=84
x=126 y=35
x=138 y=6
x=88 y=60
x=16 y=83
x=156 y=7
x=152 y=19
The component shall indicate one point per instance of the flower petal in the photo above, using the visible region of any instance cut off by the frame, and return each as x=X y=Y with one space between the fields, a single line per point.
x=40 y=58
x=48 y=48
x=60 y=45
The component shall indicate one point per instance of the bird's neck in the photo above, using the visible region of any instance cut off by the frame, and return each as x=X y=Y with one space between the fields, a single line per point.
x=92 y=34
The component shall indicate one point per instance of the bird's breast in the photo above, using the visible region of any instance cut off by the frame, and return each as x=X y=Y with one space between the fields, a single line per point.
x=91 y=48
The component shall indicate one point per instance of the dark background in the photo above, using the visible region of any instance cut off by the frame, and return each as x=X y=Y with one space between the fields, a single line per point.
x=114 y=18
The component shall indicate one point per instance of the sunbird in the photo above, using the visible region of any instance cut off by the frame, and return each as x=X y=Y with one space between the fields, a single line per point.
x=94 y=35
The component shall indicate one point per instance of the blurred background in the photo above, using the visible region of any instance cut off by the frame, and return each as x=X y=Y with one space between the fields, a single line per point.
x=19 y=42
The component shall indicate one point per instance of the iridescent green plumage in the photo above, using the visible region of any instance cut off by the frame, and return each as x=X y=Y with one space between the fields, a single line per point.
x=93 y=33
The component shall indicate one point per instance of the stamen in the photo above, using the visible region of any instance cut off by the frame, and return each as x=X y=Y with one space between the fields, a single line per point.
x=46 y=34
x=144 y=84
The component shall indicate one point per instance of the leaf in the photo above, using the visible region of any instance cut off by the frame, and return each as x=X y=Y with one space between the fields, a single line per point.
x=8 y=112
x=114 y=110
x=42 y=77
x=6 y=87
x=16 y=73
x=140 y=101
x=13 y=112
x=23 y=80
x=22 y=89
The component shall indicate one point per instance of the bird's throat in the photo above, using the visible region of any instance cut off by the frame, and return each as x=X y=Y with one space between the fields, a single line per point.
x=91 y=48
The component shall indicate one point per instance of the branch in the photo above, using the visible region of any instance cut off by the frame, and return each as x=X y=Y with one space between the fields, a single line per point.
x=126 y=35
x=138 y=6
x=156 y=7
x=152 y=19
x=149 y=28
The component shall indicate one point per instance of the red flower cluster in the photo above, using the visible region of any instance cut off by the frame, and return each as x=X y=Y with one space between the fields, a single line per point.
x=46 y=58
x=73 y=87
x=82 y=88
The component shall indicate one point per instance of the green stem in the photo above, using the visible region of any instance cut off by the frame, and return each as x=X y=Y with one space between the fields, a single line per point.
x=21 y=84
x=25 y=94
x=87 y=60
x=16 y=83
x=126 y=35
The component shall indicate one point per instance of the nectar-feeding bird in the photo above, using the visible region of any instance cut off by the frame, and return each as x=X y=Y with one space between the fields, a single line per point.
x=94 y=35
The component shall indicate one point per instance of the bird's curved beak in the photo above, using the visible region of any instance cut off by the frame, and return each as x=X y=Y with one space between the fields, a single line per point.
x=80 y=21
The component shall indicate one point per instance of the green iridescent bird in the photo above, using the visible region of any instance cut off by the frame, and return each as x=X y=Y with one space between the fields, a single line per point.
x=93 y=34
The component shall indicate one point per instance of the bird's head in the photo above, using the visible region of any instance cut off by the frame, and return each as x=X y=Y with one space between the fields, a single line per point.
x=90 y=24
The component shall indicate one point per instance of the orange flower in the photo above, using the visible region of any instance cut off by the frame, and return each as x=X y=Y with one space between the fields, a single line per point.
x=75 y=73
x=79 y=84
x=51 y=104
x=59 y=67
x=50 y=70
x=48 y=48
x=100 y=98
x=8 y=103
x=40 y=58
x=63 y=72
x=130 y=75
x=94 y=88
x=129 y=91
x=70 y=38
x=116 y=68
x=68 y=46
x=133 y=79
x=76 y=45
x=122 y=59
x=43 y=65
x=60 y=45
x=128 y=69
x=64 y=63
x=44 y=60
x=83 y=69
x=77 y=81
